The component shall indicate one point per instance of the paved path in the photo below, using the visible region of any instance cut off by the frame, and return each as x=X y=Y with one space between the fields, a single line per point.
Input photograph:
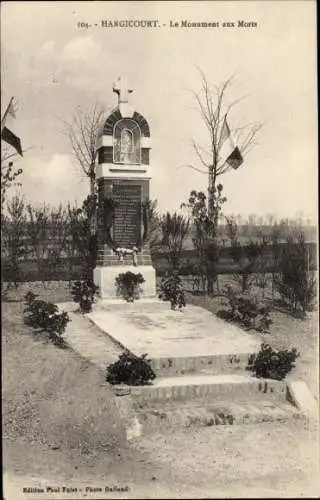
x=87 y=340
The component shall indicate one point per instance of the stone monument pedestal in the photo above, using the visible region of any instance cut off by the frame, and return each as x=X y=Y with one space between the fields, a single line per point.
x=104 y=277
x=123 y=152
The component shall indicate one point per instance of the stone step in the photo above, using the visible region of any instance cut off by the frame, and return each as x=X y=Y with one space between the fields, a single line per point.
x=116 y=259
x=109 y=262
x=111 y=258
x=108 y=259
x=110 y=252
x=114 y=256
x=139 y=267
x=222 y=413
x=206 y=389
x=205 y=365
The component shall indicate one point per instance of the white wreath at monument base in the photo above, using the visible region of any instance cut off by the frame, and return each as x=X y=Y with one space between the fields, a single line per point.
x=121 y=252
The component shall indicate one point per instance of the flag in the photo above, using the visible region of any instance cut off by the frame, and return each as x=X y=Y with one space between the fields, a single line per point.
x=227 y=147
x=7 y=128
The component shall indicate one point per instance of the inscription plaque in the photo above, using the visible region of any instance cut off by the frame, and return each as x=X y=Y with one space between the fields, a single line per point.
x=127 y=217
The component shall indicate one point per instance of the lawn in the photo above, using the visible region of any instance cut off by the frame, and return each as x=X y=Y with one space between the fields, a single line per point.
x=286 y=332
x=52 y=417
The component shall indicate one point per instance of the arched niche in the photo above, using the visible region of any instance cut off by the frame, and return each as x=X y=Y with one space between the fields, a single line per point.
x=126 y=142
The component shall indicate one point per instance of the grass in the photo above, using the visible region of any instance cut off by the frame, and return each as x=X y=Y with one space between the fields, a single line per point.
x=286 y=332
x=49 y=401
x=53 y=291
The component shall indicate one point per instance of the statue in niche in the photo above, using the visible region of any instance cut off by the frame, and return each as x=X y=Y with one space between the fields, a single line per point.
x=126 y=146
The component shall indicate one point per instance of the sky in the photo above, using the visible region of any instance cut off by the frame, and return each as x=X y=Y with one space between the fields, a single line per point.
x=52 y=66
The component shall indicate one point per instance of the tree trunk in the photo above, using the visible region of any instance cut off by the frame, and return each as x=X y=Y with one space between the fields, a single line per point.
x=218 y=286
x=210 y=282
x=92 y=185
x=245 y=282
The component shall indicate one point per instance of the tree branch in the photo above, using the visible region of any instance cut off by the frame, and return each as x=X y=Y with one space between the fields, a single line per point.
x=197 y=150
x=83 y=131
x=193 y=167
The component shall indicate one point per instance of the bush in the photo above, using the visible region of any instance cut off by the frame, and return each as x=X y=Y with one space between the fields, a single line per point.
x=131 y=370
x=128 y=285
x=171 y=289
x=174 y=229
x=83 y=294
x=248 y=258
x=246 y=310
x=13 y=249
x=272 y=364
x=82 y=228
x=295 y=282
x=47 y=235
x=44 y=318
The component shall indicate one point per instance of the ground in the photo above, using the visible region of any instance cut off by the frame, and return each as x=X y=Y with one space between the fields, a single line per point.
x=287 y=332
x=57 y=429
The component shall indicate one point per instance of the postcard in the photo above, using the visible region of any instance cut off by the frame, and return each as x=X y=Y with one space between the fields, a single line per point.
x=159 y=249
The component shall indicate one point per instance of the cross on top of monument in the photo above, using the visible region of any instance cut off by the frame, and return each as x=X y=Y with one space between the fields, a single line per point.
x=122 y=88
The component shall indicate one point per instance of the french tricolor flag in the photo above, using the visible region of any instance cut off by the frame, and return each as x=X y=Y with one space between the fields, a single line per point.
x=228 y=150
x=8 y=128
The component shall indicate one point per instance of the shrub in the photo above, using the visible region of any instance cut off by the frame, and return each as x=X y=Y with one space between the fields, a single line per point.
x=44 y=318
x=204 y=216
x=13 y=249
x=47 y=234
x=199 y=278
x=171 y=289
x=131 y=370
x=246 y=310
x=128 y=285
x=82 y=228
x=248 y=258
x=295 y=282
x=268 y=363
x=174 y=229
x=83 y=294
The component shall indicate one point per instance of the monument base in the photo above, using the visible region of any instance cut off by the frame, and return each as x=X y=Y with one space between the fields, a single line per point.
x=104 y=277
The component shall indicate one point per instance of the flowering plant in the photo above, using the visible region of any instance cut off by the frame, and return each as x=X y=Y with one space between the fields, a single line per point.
x=171 y=289
x=129 y=285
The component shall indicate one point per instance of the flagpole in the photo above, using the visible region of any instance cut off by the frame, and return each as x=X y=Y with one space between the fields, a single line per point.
x=3 y=119
x=224 y=123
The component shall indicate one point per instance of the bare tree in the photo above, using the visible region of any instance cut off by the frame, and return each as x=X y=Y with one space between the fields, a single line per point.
x=213 y=108
x=47 y=233
x=83 y=131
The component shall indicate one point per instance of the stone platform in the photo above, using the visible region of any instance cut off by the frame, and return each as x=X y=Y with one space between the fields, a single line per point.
x=104 y=277
x=200 y=362
x=150 y=326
